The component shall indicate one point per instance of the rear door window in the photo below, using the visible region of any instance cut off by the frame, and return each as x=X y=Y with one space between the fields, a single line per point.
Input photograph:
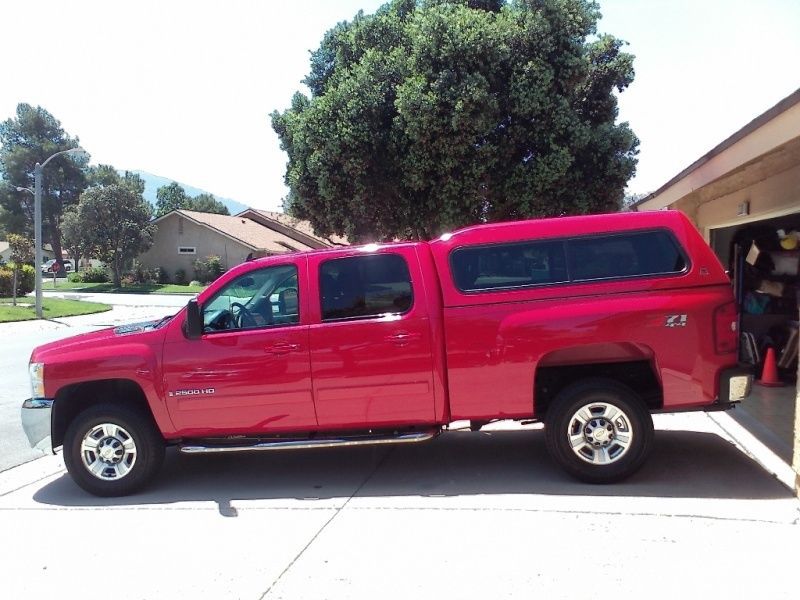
x=364 y=286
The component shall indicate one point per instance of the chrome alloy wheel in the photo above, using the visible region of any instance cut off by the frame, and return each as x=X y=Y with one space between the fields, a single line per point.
x=599 y=433
x=108 y=451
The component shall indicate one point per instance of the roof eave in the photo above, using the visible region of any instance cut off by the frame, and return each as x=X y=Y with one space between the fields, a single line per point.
x=765 y=117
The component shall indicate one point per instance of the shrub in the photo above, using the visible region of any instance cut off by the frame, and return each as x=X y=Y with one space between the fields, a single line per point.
x=180 y=277
x=142 y=275
x=195 y=283
x=94 y=275
x=199 y=268
x=6 y=280
x=207 y=270
x=25 y=280
x=162 y=275
x=129 y=279
x=74 y=278
x=214 y=267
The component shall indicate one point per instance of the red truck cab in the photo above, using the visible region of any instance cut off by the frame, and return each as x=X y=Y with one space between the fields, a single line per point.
x=588 y=324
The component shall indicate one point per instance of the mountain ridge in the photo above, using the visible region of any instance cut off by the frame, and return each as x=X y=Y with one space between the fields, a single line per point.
x=152 y=182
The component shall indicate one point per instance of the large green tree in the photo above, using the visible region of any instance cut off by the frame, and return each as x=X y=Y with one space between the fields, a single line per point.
x=207 y=203
x=77 y=237
x=173 y=197
x=3 y=231
x=170 y=197
x=108 y=175
x=117 y=219
x=430 y=115
x=33 y=136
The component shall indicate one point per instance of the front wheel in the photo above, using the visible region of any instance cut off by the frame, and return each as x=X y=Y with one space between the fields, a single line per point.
x=599 y=431
x=112 y=450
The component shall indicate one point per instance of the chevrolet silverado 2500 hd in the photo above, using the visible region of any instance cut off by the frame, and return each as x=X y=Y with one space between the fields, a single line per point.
x=588 y=324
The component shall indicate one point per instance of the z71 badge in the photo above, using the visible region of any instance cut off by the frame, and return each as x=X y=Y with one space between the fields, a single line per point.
x=199 y=392
x=676 y=321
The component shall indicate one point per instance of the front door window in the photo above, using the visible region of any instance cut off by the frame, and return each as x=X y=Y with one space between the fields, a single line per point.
x=260 y=298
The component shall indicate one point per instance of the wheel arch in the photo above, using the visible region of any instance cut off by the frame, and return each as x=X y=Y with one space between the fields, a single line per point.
x=631 y=365
x=72 y=399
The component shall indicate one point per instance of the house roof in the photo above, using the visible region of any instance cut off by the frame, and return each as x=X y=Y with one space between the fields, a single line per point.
x=781 y=107
x=243 y=230
x=298 y=229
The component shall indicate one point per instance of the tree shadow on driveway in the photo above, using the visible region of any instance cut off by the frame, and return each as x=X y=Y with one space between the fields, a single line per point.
x=683 y=464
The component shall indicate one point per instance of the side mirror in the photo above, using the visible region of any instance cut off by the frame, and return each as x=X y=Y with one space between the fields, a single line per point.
x=194 y=320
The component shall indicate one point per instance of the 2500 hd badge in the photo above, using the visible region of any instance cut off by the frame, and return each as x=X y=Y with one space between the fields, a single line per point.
x=192 y=392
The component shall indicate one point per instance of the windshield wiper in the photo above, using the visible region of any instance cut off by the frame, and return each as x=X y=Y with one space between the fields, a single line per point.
x=162 y=321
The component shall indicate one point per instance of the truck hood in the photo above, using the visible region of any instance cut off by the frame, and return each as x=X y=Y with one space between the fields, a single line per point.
x=145 y=332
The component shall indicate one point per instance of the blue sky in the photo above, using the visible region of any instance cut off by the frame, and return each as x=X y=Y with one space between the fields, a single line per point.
x=183 y=89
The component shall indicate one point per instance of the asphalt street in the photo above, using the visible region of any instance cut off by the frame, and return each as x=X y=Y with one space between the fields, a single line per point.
x=17 y=341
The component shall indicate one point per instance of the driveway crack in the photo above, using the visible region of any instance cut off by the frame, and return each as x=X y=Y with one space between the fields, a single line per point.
x=328 y=522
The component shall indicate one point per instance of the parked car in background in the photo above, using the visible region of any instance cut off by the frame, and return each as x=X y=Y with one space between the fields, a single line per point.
x=55 y=266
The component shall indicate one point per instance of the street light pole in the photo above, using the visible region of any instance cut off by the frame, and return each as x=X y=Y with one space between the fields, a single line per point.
x=37 y=222
x=37 y=236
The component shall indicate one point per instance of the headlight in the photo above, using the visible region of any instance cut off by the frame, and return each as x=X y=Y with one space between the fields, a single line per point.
x=36 y=371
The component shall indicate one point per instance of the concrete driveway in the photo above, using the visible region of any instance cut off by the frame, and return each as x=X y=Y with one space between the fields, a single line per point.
x=469 y=515
x=19 y=340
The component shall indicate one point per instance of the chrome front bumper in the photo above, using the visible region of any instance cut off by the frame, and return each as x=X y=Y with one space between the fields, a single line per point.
x=36 y=413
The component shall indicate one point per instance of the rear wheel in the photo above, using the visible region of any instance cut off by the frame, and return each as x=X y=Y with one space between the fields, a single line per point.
x=599 y=431
x=112 y=450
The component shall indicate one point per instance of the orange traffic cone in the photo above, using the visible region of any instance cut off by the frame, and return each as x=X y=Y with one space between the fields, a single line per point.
x=769 y=375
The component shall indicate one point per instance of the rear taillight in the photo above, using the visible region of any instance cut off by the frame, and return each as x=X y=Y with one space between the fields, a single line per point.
x=726 y=337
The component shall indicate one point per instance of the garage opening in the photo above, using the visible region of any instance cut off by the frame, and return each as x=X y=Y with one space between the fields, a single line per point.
x=763 y=259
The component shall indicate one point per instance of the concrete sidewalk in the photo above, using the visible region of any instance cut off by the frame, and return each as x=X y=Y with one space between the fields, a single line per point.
x=469 y=515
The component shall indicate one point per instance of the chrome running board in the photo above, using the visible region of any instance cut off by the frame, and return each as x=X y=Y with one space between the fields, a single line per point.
x=401 y=438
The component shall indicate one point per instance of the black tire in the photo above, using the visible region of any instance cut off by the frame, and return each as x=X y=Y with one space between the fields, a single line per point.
x=602 y=437
x=139 y=466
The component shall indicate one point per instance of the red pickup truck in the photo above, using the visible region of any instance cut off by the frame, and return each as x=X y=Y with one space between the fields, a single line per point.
x=588 y=324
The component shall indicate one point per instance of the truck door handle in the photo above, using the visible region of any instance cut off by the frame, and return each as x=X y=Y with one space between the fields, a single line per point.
x=401 y=338
x=281 y=348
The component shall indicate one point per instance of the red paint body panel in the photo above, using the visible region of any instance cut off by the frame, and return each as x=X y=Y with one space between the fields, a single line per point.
x=506 y=342
x=256 y=390
x=106 y=355
x=373 y=372
x=452 y=355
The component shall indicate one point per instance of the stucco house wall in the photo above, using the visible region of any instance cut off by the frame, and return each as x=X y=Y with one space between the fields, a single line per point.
x=177 y=232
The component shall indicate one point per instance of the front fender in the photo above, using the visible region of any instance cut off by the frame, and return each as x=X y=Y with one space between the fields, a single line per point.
x=131 y=361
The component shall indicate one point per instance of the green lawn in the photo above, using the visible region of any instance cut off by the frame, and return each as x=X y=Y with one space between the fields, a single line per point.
x=138 y=288
x=51 y=308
